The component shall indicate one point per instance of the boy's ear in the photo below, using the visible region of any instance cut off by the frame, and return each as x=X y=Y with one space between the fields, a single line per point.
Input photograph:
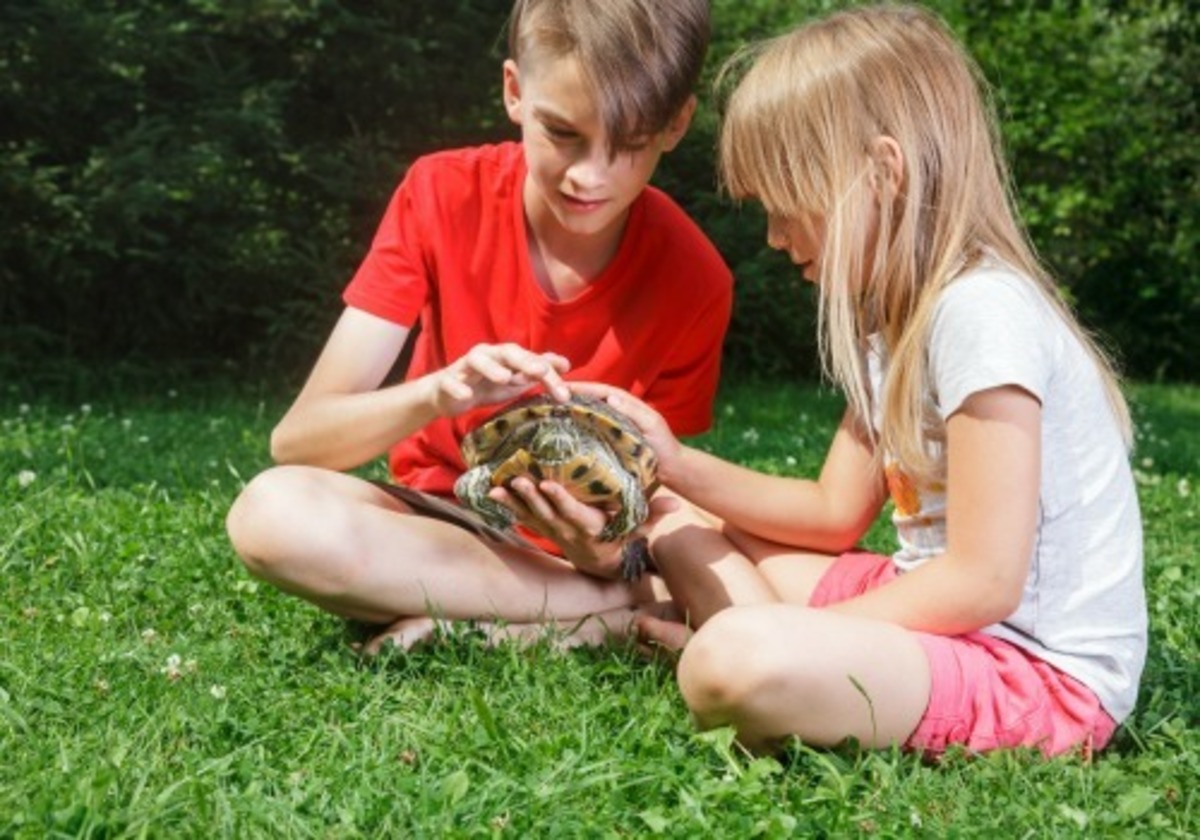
x=512 y=90
x=679 y=124
x=888 y=169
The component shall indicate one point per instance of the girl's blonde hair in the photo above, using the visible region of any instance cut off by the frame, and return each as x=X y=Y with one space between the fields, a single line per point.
x=801 y=134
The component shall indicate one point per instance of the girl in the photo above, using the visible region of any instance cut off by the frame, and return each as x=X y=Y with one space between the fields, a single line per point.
x=1013 y=613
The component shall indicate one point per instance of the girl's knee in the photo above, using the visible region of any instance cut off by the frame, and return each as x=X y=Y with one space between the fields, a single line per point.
x=727 y=663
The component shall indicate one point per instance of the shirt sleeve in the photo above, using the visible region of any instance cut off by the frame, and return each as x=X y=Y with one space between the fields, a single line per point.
x=990 y=330
x=393 y=280
x=685 y=391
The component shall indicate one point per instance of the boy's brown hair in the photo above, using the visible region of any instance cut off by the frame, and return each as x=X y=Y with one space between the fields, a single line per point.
x=641 y=57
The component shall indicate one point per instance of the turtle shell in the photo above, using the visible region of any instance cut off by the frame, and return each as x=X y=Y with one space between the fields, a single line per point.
x=588 y=425
x=593 y=451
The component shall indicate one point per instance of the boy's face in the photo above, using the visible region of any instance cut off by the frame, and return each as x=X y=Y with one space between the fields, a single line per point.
x=571 y=176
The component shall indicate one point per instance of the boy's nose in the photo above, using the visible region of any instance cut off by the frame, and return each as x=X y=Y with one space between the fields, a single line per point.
x=587 y=171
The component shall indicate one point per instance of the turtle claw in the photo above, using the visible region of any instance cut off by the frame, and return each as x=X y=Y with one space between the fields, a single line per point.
x=635 y=558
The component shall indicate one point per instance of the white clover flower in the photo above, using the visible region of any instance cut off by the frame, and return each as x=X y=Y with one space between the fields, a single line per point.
x=86 y=408
x=1146 y=479
x=171 y=669
x=790 y=461
x=143 y=439
x=126 y=424
x=750 y=435
x=25 y=478
x=149 y=635
x=1147 y=462
x=23 y=408
x=217 y=691
x=1184 y=488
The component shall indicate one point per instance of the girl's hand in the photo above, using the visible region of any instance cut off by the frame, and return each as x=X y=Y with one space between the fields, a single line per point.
x=651 y=424
x=548 y=509
x=495 y=373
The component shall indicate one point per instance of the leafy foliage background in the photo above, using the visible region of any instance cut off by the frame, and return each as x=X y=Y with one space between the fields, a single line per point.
x=196 y=181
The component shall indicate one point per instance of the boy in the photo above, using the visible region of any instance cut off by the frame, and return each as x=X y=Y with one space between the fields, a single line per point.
x=523 y=263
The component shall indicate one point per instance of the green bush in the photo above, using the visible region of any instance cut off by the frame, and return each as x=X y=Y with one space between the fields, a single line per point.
x=1100 y=116
x=199 y=179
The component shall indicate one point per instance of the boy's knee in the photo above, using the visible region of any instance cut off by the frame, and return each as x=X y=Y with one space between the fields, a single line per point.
x=259 y=515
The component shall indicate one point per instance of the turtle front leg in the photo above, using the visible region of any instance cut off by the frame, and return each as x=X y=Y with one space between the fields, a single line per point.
x=472 y=489
x=633 y=512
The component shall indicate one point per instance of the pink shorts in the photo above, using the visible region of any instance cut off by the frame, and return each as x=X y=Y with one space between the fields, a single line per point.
x=986 y=693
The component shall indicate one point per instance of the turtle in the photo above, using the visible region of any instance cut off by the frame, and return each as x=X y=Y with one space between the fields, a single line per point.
x=592 y=450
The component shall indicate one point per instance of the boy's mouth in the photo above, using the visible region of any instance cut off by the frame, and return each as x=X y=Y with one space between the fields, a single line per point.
x=581 y=204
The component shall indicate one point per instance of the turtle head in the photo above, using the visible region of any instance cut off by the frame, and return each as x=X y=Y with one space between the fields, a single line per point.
x=554 y=441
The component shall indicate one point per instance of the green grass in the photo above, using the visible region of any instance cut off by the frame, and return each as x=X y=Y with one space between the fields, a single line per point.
x=149 y=687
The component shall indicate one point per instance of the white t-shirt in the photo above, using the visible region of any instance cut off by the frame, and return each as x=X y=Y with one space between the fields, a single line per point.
x=1083 y=609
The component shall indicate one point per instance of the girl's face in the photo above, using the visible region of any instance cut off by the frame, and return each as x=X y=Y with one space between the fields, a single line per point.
x=801 y=238
x=572 y=177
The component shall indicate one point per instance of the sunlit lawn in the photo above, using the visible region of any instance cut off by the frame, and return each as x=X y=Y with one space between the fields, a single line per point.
x=149 y=686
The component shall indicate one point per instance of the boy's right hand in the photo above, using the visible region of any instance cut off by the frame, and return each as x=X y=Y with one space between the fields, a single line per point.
x=496 y=373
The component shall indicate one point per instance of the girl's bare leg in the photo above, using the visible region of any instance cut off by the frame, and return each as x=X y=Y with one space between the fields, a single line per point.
x=704 y=571
x=354 y=550
x=709 y=566
x=776 y=670
x=792 y=573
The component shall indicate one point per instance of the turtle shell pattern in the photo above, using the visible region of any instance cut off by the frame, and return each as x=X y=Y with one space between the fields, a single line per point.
x=593 y=451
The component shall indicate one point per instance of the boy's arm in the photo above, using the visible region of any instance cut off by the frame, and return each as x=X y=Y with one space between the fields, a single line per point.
x=342 y=419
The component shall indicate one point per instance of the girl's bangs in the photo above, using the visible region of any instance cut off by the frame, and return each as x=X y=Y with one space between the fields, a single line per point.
x=758 y=161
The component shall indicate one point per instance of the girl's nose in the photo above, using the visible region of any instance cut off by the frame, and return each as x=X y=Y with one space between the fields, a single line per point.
x=775 y=235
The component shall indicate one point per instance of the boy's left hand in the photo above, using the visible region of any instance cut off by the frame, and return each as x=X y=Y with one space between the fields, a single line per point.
x=548 y=509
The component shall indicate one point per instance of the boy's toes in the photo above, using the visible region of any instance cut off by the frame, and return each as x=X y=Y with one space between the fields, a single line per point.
x=404 y=634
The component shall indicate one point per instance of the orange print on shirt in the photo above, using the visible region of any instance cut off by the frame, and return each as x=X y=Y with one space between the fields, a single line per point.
x=902 y=490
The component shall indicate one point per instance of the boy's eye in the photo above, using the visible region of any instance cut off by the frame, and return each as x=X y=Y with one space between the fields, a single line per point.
x=562 y=134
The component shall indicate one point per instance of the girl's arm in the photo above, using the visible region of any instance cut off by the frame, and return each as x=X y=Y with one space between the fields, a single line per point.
x=342 y=419
x=994 y=476
x=828 y=515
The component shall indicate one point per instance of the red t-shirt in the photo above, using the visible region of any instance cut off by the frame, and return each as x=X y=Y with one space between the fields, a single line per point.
x=451 y=251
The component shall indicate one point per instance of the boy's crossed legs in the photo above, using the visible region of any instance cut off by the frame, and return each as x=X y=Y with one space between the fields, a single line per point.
x=353 y=549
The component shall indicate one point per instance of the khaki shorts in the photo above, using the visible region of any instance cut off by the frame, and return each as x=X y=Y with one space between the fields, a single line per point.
x=437 y=507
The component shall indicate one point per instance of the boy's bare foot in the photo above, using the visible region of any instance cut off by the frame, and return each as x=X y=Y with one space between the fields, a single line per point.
x=405 y=634
x=592 y=631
